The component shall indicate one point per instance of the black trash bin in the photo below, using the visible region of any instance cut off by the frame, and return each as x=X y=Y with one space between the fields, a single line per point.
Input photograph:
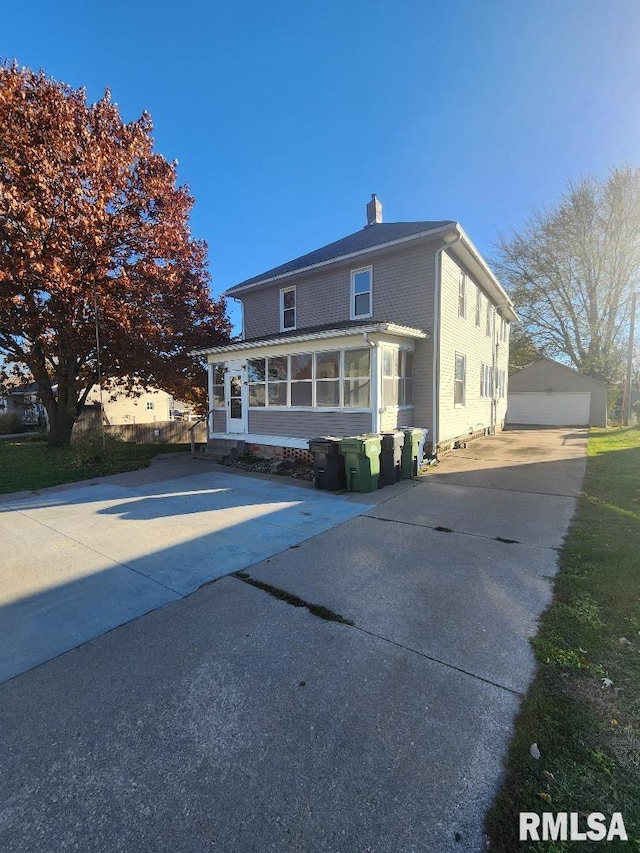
x=391 y=457
x=328 y=464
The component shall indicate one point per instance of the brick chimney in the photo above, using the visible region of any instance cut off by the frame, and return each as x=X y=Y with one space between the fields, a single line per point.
x=374 y=211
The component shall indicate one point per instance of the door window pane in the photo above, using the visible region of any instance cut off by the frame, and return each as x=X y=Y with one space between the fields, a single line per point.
x=236 y=407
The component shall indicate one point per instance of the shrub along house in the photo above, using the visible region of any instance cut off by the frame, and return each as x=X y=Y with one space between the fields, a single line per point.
x=400 y=324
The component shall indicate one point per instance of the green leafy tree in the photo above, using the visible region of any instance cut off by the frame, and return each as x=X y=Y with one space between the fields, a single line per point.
x=92 y=222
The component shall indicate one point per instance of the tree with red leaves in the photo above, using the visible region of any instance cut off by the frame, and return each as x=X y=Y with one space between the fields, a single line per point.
x=92 y=224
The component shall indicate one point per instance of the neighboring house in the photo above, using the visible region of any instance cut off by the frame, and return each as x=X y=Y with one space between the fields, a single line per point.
x=400 y=324
x=151 y=406
x=547 y=393
x=23 y=400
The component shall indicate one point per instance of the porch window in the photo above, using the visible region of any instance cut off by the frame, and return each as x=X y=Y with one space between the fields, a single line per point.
x=257 y=377
x=361 y=293
x=397 y=377
x=357 y=382
x=218 y=386
x=277 y=380
x=459 y=380
x=287 y=309
x=302 y=380
x=328 y=378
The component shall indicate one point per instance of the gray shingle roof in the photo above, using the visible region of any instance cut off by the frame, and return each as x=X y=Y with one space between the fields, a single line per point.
x=366 y=238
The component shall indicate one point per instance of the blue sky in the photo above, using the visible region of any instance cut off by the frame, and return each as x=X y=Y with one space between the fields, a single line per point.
x=286 y=116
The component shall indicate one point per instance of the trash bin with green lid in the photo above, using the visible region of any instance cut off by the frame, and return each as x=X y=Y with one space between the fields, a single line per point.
x=328 y=463
x=361 y=462
x=391 y=457
x=412 y=451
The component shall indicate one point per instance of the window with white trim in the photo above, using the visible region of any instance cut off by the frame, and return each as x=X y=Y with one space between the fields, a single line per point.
x=357 y=378
x=462 y=296
x=302 y=379
x=149 y=406
x=488 y=317
x=361 y=293
x=332 y=379
x=397 y=377
x=502 y=384
x=459 y=379
x=287 y=308
x=478 y=306
x=218 y=386
x=486 y=380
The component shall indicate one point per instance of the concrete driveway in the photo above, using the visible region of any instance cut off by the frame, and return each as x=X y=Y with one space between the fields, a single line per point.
x=78 y=561
x=244 y=718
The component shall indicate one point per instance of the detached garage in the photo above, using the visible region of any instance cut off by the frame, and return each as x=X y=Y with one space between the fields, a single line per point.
x=547 y=393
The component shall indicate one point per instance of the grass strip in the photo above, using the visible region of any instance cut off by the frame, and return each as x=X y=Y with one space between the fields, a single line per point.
x=583 y=707
x=28 y=464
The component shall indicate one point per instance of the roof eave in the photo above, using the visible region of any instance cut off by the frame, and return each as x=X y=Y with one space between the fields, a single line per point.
x=390 y=328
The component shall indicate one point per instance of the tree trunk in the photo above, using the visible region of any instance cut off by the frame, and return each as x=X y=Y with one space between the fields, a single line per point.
x=61 y=423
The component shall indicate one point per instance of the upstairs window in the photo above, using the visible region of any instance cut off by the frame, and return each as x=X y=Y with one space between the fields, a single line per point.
x=462 y=296
x=361 y=293
x=287 y=309
x=478 y=307
x=489 y=314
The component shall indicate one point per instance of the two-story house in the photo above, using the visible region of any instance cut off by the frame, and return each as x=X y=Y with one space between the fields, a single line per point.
x=400 y=324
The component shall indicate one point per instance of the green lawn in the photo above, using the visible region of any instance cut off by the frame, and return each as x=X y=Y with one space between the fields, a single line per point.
x=587 y=729
x=26 y=463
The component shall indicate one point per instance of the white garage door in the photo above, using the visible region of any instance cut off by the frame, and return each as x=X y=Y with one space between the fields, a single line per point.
x=549 y=408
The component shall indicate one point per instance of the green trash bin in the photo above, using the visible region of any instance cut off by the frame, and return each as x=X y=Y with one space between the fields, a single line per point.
x=361 y=462
x=412 y=452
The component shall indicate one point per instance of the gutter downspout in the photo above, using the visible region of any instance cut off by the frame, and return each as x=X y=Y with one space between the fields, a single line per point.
x=437 y=301
x=375 y=390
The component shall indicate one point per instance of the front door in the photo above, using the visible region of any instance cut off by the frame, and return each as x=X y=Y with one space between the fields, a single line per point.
x=235 y=398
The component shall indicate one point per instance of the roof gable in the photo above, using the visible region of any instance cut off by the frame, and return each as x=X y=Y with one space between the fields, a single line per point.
x=369 y=237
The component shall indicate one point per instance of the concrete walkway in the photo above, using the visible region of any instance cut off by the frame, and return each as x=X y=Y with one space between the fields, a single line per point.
x=242 y=718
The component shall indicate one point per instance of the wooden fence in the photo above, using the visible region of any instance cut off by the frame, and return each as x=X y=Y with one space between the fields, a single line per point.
x=161 y=432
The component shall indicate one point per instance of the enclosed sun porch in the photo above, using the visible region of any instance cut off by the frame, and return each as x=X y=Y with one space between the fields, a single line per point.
x=270 y=396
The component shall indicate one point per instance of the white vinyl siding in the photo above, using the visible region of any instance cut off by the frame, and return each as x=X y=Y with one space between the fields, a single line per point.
x=471 y=341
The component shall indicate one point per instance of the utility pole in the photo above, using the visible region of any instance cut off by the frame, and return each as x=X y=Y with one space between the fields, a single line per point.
x=629 y=394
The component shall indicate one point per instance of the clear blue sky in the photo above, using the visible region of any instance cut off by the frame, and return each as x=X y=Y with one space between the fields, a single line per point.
x=285 y=116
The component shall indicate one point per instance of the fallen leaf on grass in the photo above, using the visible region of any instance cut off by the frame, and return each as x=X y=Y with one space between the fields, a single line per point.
x=606 y=682
x=544 y=796
x=535 y=752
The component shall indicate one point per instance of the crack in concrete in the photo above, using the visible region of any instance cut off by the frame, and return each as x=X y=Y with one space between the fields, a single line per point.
x=288 y=597
x=331 y=616
x=440 y=529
